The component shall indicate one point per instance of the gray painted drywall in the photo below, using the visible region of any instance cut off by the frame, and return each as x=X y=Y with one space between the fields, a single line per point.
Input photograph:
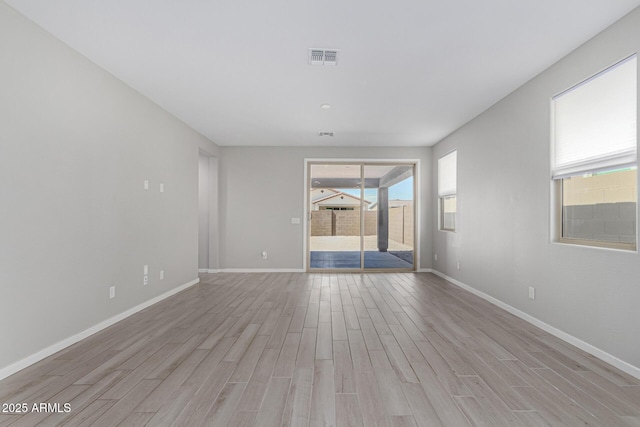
x=503 y=233
x=262 y=188
x=214 y=227
x=75 y=147
x=207 y=211
x=203 y=212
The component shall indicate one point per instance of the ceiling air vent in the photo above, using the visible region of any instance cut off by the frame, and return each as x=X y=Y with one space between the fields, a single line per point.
x=325 y=133
x=323 y=57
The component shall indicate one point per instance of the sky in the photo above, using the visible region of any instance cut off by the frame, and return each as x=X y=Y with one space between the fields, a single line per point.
x=400 y=191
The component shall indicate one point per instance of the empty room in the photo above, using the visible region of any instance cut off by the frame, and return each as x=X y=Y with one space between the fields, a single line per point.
x=418 y=213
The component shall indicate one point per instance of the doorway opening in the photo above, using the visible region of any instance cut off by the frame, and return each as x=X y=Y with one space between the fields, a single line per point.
x=207 y=212
x=361 y=216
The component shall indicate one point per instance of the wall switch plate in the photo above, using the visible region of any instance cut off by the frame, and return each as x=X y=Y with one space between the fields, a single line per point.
x=145 y=281
x=264 y=254
x=145 y=184
x=435 y=256
x=145 y=270
x=161 y=187
x=532 y=292
x=295 y=220
x=112 y=292
x=161 y=274
x=458 y=265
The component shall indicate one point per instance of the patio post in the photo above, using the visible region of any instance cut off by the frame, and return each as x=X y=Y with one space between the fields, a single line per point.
x=383 y=219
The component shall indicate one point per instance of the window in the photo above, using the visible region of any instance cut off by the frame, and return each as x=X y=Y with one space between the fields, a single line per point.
x=447 y=189
x=595 y=159
x=335 y=208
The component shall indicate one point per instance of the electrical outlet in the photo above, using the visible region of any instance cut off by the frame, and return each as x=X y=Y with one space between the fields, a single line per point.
x=264 y=254
x=161 y=274
x=112 y=292
x=532 y=292
x=145 y=281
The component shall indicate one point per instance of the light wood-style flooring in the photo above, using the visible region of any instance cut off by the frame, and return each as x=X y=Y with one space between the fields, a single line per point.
x=296 y=349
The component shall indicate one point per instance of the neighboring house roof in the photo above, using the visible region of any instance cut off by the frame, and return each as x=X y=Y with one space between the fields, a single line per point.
x=321 y=193
x=339 y=193
x=394 y=203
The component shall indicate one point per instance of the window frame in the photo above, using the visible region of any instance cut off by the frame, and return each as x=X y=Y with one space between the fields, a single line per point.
x=447 y=194
x=557 y=192
x=442 y=201
x=559 y=228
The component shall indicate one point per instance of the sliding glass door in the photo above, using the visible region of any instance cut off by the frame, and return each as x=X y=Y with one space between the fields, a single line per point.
x=361 y=216
x=335 y=200
x=389 y=244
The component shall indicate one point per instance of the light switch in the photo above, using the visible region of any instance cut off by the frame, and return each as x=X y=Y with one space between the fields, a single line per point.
x=161 y=187
x=145 y=269
x=295 y=220
x=146 y=184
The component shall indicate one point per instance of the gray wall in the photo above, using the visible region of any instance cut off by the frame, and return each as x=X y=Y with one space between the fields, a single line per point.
x=207 y=211
x=504 y=210
x=75 y=147
x=204 y=230
x=262 y=188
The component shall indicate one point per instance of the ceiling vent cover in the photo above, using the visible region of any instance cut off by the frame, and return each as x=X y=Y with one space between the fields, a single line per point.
x=323 y=56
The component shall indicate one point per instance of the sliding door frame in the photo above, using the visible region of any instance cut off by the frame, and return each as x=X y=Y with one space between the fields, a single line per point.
x=414 y=163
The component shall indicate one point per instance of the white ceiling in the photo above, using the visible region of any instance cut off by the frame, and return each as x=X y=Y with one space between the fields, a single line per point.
x=410 y=71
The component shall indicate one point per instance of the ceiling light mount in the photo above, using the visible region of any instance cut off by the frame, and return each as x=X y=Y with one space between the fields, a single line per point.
x=323 y=56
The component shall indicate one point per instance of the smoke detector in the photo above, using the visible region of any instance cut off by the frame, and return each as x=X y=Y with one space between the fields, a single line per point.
x=323 y=56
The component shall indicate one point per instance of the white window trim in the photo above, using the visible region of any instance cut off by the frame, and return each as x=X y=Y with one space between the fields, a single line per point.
x=451 y=191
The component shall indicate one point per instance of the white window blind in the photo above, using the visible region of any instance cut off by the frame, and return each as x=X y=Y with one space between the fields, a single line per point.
x=595 y=122
x=447 y=174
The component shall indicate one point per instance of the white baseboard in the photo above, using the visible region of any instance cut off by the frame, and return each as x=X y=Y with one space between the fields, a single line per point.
x=275 y=270
x=585 y=346
x=34 y=358
x=261 y=270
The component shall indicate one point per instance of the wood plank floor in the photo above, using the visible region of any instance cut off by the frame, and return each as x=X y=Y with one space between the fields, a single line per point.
x=296 y=349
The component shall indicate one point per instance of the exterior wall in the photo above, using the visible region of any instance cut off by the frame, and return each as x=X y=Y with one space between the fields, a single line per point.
x=342 y=223
x=396 y=224
x=339 y=200
x=347 y=223
x=370 y=223
x=408 y=225
x=322 y=223
x=601 y=207
x=611 y=222
x=401 y=224
x=606 y=188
